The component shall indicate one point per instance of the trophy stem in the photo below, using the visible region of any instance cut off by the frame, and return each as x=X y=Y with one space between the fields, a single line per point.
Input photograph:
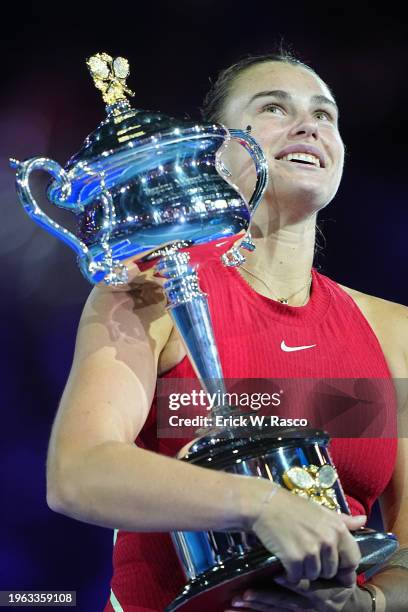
x=188 y=307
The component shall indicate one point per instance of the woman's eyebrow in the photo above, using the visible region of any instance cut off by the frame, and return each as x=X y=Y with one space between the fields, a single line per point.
x=284 y=95
x=325 y=100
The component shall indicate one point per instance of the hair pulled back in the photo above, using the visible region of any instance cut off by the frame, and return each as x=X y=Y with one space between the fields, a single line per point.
x=214 y=101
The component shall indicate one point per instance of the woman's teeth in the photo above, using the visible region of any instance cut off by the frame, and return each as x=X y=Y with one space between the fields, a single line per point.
x=303 y=157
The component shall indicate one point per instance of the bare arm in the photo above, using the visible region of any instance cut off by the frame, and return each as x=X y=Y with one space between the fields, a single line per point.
x=392 y=582
x=95 y=473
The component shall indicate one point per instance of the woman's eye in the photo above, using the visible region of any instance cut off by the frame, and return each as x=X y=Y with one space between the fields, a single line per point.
x=275 y=109
x=272 y=108
x=324 y=115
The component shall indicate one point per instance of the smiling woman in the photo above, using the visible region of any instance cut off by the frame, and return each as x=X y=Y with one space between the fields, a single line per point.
x=273 y=96
x=98 y=474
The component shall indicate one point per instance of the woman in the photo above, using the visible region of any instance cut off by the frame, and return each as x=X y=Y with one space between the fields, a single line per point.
x=125 y=338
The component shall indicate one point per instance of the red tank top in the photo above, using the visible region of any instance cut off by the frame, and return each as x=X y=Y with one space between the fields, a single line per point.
x=249 y=329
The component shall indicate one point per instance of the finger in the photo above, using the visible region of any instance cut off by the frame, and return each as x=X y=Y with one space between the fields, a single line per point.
x=349 y=552
x=320 y=588
x=239 y=604
x=252 y=598
x=330 y=562
x=354 y=522
x=264 y=609
x=311 y=567
x=278 y=597
x=294 y=570
x=346 y=577
x=302 y=586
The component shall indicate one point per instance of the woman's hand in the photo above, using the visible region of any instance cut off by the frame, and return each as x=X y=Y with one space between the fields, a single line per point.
x=310 y=541
x=318 y=596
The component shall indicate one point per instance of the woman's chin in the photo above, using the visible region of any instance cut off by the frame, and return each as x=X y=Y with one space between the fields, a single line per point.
x=301 y=203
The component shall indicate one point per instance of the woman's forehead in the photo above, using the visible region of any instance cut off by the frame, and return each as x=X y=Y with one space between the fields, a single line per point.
x=279 y=75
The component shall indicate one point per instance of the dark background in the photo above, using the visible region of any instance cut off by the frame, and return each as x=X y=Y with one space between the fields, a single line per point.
x=48 y=105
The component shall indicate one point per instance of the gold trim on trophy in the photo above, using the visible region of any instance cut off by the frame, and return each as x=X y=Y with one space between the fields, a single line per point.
x=109 y=76
x=314 y=483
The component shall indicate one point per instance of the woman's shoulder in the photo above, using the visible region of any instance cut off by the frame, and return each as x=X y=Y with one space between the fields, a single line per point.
x=385 y=312
x=376 y=306
x=389 y=321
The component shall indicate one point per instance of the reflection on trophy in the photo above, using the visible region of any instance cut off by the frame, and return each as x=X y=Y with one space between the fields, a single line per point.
x=147 y=188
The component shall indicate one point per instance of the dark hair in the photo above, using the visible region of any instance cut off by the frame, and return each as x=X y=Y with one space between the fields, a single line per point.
x=214 y=101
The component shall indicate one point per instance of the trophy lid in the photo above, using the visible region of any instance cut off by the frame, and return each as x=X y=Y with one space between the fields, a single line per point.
x=123 y=122
x=118 y=140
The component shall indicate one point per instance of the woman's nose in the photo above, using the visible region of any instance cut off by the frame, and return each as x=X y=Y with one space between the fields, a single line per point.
x=306 y=127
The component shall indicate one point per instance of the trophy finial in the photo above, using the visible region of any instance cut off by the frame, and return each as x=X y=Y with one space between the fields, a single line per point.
x=109 y=75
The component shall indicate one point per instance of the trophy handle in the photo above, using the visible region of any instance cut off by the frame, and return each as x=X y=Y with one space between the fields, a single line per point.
x=23 y=171
x=249 y=143
x=106 y=269
x=233 y=257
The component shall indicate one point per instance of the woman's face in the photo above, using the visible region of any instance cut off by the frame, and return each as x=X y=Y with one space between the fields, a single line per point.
x=291 y=111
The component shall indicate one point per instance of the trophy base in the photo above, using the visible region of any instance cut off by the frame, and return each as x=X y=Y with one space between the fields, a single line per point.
x=213 y=590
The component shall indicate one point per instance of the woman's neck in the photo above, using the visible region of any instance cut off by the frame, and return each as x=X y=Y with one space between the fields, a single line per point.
x=281 y=264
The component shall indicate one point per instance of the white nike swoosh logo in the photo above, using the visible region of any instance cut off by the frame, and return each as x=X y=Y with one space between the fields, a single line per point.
x=289 y=349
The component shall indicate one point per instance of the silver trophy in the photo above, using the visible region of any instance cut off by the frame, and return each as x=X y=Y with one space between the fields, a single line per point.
x=147 y=188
